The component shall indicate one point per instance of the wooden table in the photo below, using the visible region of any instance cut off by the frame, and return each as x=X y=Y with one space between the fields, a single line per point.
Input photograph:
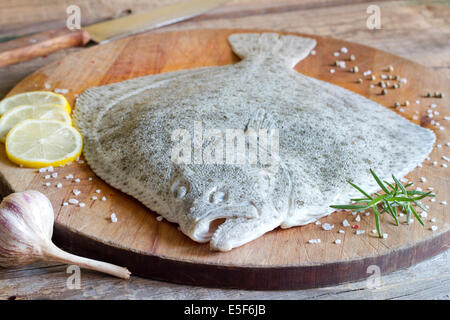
x=418 y=30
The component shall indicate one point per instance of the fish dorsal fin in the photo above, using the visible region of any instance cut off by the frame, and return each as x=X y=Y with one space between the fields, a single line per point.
x=285 y=48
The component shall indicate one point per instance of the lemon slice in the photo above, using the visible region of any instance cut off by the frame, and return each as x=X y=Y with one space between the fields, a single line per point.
x=41 y=143
x=34 y=98
x=18 y=114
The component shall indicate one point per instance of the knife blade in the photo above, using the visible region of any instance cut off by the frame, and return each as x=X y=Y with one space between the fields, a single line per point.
x=43 y=43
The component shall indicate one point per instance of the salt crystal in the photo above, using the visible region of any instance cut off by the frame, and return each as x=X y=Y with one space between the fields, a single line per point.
x=441 y=128
x=445 y=158
x=433 y=220
x=50 y=169
x=383 y=76
x=385 y=235
x=98 y=190
x=433 y=105
x=444 y=202
x=337 y=241
x=415 y=117
x=418 y=189
x=424 y=214
x=436 y=113
x=77 y=180
x=90 y=178
x=433 y=200
x=367 y=213
x=42 y=170
x=59 y=185
x=48 y=184
x=73 y=201
x=439 y=146
x=374 y=231
x=332 y=70
x=327 y=226
x=358 y=232
x=159 y=218
x=372 y=85
x=65 y=204
x=354 y=213
x=313 y=52
x=448 y=144
x=94 y=198
x=435 y=163
x=55 y=174
x=358 y=218
x=403 y=80
x=417 y=101
x=336 y=54
x=344 y=50
x=47 y=176
x=444 y=165
x=401 y=214
x=423 y=179
x=76 y=192
x=430 y=188
x=341 y=231
x=113 y=218
x=317 y=223
x=47 y=86
x=103 y=198
x=314 y=241
x=447 y=118
x=68 y=177
x=82 y=204
x=345 y=223
x=434 y=228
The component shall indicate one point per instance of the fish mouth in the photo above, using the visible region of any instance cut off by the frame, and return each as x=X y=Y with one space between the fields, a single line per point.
x=210 y=222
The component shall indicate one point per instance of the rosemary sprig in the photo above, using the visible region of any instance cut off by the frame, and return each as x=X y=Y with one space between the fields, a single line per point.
x=395 y=197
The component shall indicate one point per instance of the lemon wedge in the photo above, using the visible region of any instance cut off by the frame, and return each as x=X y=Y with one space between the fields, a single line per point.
x=34 y=98
x=41 y=143
x=18 y=114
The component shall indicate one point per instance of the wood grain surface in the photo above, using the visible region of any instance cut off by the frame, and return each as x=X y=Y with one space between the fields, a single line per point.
x=157 y=249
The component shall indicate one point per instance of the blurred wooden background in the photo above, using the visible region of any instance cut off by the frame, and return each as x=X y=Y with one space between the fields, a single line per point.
x=417 y=30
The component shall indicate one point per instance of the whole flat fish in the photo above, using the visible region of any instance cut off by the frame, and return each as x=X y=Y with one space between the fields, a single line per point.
x=232 y=152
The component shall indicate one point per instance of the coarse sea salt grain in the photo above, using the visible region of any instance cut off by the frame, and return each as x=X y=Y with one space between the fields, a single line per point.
x=73 y=201
x=59 y=185
x=336 y=54
x=103 y=198
x=327 y=226
x=318 y=223
x=447 y=118
x=444 y=203
x=77 y=180
x=344 y=50
x=332 y=70
x=47 y=184
x=41 y=170
x=444 y=165
x=435 y=163
x=341 y=231
x=76 y=192
x=385 y=235
x=65 y=204
x=433 y=200
x=445 y=158
x=433 y=220
x=90 y=178
x=448 y=144
x=374 y=231
x=94 y=198
x=47 y=176
x=424 y=214
x=367 y=213
x=159 y=218
x=337 y=241
x=415 y=117
x=358 y=218
x=98 y=191
x=82 y=204
x=434 y=228
x=313 y=241
x=113 y=218
x=68 y=177
x=50 y=169
x=423 y=179
x=345 y=223
x=313 y=52
x=358 y=232
x=55 y=174
x=47 y=86
x=439 y=146
x=417 y=101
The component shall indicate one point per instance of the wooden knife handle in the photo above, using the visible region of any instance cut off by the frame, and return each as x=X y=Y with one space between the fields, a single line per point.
x=40 y=44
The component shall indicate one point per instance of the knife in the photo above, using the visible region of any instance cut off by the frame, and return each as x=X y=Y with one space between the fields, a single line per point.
x=43 y=43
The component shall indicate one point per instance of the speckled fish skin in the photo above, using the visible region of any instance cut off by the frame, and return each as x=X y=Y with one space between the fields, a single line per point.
x=327 y=136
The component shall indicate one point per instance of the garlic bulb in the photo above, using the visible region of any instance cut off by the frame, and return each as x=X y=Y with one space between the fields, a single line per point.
x=26 y=227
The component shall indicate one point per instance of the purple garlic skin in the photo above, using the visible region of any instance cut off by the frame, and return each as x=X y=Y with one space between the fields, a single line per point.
x=26 y=226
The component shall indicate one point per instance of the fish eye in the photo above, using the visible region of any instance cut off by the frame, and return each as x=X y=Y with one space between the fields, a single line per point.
x=180 y=192
x=217 y=197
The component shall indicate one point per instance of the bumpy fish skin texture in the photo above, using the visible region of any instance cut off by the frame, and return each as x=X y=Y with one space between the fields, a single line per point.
x=327 y=136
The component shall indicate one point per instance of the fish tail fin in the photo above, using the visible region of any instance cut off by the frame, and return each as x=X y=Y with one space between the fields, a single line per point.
x=290 y=49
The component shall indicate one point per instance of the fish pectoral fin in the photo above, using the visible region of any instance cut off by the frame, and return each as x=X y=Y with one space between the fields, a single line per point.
x=235 y=232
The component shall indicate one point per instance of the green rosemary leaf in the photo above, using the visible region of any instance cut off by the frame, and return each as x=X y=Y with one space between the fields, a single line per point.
x=349 y=206
x=399 y=185
x=393 y=212
x=390 y=185
x=377 y=221
x=383 y=187
x=360 y=190
x=415 y=214
x=420 y=206
x=377 y=200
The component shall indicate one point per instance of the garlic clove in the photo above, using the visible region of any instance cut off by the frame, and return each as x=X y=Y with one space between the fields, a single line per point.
x=26 y=227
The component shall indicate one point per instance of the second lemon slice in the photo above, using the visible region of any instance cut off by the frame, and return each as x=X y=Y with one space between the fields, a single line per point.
x=34 y=98
x=41 y=143
x=18 y=114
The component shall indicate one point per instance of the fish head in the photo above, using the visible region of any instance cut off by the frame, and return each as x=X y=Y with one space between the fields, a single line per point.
x=208 y=194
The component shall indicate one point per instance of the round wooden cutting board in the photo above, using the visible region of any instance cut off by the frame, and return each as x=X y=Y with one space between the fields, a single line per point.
x=281 y=259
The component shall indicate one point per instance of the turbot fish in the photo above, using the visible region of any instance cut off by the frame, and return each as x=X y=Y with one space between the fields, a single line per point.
x=232 y=152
